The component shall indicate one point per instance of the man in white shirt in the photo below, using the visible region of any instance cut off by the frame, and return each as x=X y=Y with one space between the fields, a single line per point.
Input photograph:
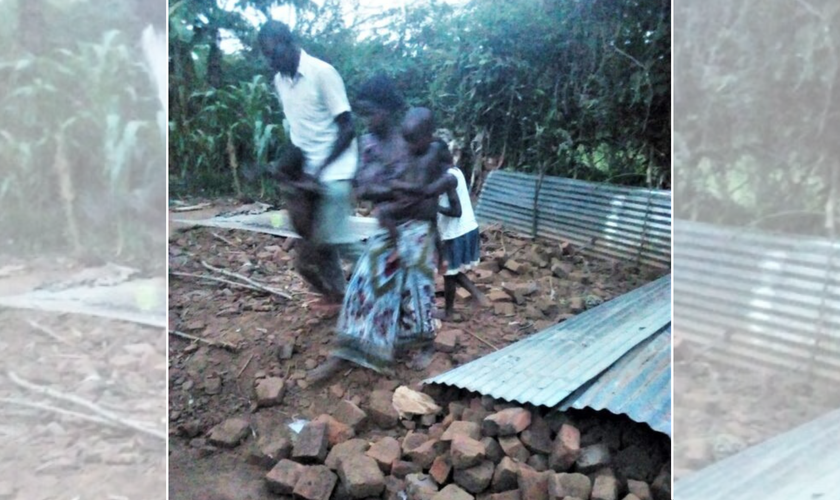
x=315 y=103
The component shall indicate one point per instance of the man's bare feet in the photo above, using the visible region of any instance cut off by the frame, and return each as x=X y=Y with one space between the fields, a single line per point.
x=327 y=370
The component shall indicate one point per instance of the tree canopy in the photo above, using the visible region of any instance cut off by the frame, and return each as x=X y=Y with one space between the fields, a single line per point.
x=572 y=88
x=756 y=110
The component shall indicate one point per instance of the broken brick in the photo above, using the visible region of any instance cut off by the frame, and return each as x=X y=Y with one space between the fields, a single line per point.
x=337 y=432
x=441 y=469
x=344 y=450
x=385 y=452
x=475 y=479
x=446 y=341
x=382 y=411
x=284 y=476
x=507 y=422
x=507 y=495
x=362 y=476
x=270 y=391
x=401 y=469
x=506 y=475
x=593 y=458
x=230 y=433
x=495 y=453
x=425 y=454
x=462 y=428
x=605 y=488
x=349 y=414
x=312 y=443
x=639 y=488
x=538 y=462
x=412 y=441
x=514 y=448
x=564 y=485
x=566 y=449
x=452 y=492
x=315 y=483
x=504 y=309
x=533 y=485
x=466 y=452
x=268 y=454
x=537 y=437
x=420 y=486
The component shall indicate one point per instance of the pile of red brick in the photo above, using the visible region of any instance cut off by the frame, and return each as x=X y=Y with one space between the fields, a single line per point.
x=475 y=448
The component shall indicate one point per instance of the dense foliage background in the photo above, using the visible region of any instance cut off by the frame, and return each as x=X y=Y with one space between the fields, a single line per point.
x=564 y=87
x=756 y=114
x=81 y=151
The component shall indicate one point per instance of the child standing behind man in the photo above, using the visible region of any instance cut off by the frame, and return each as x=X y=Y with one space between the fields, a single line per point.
x=457 y=226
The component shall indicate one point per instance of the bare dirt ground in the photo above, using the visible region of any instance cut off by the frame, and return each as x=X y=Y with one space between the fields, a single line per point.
x=276 y=337
x=119 y=367
x=720 y=410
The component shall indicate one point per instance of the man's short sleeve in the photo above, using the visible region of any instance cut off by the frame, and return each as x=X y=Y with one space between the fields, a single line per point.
x=332 y=89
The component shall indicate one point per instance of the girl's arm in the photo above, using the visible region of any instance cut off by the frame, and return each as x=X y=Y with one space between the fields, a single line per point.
x=454 y=209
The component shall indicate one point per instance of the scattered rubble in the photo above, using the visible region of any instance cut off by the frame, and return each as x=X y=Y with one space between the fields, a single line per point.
x=369 y=436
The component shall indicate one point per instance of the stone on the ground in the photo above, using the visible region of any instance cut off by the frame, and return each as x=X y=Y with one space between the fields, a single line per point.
x=381 y=410
x=446 y=341
x=312 y=443
x=270 y=391
x=605 y=487
x=462 y=428
x=516 y=267
x=393 y=487
x=593 y=458
x=533 y=485
x=639 y=488
x=537 y=437
x=514 y=448
x=452 y=492
x=504 y=309
x=475 y=415
x=316 y=482
x=420 y=486
x=636 y=462
x=475 y=479
x=498 y=296
x=267 y=454
x=385 y=452
x=362 y=476
x=402 y=468
x=425 y=454
x=428 y=420
x=283 y=477
x=506 y=475
x=661 y=487
x=230 y=433
x=507 y=422
x=412 y=441
x=566 y=449
x=441 y=469
x=564 y=485
x=337 y=432
x=506 y=495
x=343 y=450
x=631 y=496
x=350 y=414
x=456 y=410
x=409 y=403
x=466 y=452
x=494 y=451
x=538 y=462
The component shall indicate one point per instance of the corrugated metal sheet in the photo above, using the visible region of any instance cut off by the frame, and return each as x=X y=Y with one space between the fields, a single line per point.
x=545 y=368
x=278 y=224
x=615 y=222
x=759 y=300
x=637 y=385
x=799 y=464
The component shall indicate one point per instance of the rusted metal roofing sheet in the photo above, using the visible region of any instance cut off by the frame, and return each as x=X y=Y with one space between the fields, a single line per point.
x=758 y=300
x=607 y=221
x=799 y=464
x=637 y=385
x=277 y=223
x=545 y=368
